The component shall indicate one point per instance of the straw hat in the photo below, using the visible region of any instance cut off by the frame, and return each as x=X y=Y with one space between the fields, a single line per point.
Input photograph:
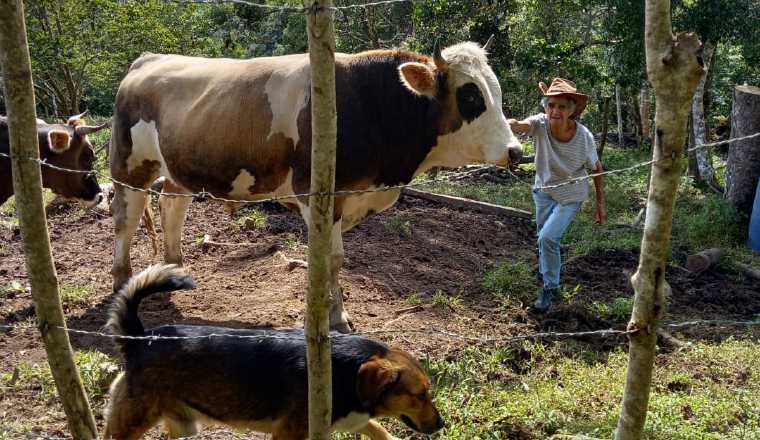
x=563 y=87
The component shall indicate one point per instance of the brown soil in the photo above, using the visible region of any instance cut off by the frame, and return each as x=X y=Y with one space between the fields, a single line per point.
x=249 y=284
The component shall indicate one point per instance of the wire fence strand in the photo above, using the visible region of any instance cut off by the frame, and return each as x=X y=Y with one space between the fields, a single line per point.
x=448 y=177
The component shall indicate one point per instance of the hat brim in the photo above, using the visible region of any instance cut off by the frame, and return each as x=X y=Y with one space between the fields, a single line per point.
x=580 y=100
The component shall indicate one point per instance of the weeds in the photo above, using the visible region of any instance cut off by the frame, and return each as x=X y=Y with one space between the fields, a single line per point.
x=11 y=290
x=442 y=299
x=511 y=280
x=254 y=219
x=76 y=294
x=96 y=369
x=397 y=225
x=292 y=242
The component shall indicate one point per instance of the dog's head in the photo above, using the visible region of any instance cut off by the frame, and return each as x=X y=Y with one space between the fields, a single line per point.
x=396 y=385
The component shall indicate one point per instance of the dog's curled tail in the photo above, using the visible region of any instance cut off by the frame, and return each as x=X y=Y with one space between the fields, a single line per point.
x=123 y=319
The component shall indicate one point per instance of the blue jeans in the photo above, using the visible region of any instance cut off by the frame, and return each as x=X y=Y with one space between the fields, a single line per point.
x=552 y=219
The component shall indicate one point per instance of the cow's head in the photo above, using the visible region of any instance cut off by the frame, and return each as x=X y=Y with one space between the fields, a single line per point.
x=471 y=126
x=67 y=146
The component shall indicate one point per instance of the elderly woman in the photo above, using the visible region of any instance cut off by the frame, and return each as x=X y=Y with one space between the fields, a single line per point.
x=565 y=149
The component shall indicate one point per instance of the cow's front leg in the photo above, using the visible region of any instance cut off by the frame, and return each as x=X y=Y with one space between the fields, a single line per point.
x=127 y=208
x=339 y=319
x=173 y=214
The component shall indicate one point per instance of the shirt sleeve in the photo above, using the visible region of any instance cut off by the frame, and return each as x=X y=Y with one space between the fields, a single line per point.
x=536 y=122
x=591 y=157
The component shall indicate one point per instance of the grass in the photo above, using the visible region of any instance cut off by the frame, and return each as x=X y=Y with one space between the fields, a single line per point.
x=397 y=225
x=292 y=242
x=76 y=294
x=96 y=369
x=484 y=397
x=11 y=290
x=511 y=280
x=254 y=219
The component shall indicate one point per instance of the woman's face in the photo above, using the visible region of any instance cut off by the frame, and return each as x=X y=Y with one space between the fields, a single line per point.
x=559 y=109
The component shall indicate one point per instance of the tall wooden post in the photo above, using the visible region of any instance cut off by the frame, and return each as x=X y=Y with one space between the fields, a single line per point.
x=323 y=138
x=27 y=185
x=674 y=71
x=743 y=169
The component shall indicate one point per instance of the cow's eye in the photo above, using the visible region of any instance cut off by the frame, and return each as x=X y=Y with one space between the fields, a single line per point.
x=470 y=101
x=422 y=397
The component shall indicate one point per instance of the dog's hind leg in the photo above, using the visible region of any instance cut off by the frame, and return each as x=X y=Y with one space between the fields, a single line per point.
x=128 y=418
x=375 y=431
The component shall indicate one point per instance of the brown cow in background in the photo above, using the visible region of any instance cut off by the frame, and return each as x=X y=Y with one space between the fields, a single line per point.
x=63 y=145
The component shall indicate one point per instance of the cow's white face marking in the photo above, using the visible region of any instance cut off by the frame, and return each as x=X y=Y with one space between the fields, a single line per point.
x=145 y=147
x=287 y=94
x=487 y=137
x=241 y=186
x=352 y=422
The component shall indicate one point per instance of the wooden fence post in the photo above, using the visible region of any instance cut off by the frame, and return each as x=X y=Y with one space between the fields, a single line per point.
x=674 y=71
x=323 y=138
x=27 y=185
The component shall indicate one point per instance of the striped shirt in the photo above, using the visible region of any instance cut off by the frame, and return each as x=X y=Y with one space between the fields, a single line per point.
x=561 y=161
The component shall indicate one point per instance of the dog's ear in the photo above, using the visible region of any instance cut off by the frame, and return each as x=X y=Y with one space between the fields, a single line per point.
x=375 y=377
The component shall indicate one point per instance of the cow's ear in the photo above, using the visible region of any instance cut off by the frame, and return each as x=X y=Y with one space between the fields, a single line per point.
x=59 y=140
x=419 y=78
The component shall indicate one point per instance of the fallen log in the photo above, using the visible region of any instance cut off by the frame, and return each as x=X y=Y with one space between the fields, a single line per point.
x=459 y=202
x=704 y=260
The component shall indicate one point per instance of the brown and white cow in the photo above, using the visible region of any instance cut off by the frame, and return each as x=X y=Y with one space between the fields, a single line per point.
x=63 y=145
x=241 y=129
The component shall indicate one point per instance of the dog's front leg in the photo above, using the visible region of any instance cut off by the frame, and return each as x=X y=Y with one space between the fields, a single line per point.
x=375 y=431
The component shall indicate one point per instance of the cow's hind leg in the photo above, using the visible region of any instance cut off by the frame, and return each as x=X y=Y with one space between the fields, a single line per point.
x=127 y=208
x=339 y=319
x=173 y=213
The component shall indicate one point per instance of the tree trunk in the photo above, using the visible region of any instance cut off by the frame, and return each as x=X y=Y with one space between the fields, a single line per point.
x=619 y=107
x=700 y=160
x=743 y=168
x=605 y=118
x=645 y=112
x=27 y=186
x=324 y=131
x=673 y=70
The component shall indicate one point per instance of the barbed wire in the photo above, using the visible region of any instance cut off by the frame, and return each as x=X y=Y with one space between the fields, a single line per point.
x=447 y=177
x=425 y=331
x=299 y=8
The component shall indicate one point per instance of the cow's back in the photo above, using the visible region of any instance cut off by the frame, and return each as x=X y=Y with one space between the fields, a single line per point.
x=213 y=119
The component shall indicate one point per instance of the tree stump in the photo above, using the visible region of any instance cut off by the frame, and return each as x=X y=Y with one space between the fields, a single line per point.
x=743 y=168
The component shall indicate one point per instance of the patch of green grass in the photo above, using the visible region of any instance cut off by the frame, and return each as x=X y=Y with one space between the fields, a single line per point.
x=292 y=242
x=517 y=195
x=511 y=280
x=254 y=219
x=12 y=289
x=397 y=225
x=76 y=294
x=9 y=207
x=705 y=392
x=96 y=369
x=443 y=299
x=414 y=299
x=708 y=221
x=620 y=309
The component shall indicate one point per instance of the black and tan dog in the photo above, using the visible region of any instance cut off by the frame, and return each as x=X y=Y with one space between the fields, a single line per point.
x=251 y=383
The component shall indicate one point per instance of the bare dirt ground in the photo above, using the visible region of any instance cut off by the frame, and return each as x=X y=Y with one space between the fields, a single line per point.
x=249 y=284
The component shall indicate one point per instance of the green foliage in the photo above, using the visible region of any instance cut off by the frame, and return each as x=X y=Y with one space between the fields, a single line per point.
x=11 y=290
x=619 y=310
x=708 y=221
x=254 y=219
x=96 y=369
x=443 y=299
x=705 y=392
x=292 y=242
x=397 y=225
x=511 y=280
x=76 y=294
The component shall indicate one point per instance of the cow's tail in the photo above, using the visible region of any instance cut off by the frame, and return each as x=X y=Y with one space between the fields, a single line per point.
x=123 y=319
